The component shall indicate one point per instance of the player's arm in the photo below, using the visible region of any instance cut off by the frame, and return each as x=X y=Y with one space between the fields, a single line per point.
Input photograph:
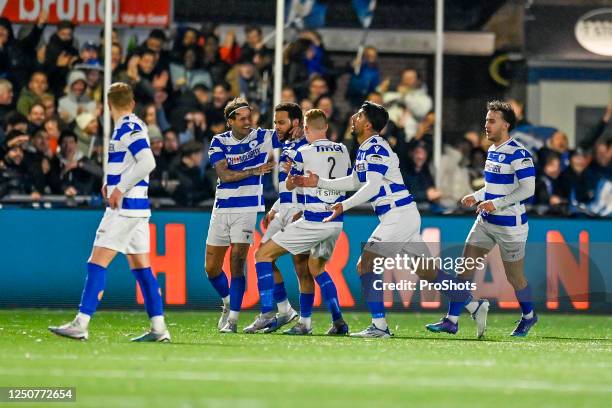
x=474 y=198
x=347 y=183
x=368 y=190
x=227 y=175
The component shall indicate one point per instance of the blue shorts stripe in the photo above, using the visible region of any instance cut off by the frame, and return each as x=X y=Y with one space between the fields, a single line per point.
x=234 y=202
x=319 y=216
x=504 y=220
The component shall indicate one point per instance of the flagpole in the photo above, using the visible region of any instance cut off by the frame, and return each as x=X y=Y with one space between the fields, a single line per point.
x=437 y=142
x=108 y=38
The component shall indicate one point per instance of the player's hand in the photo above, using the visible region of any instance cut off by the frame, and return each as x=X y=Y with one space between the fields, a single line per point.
x=297 y=216
x=286 y=165
x=268 y=218
x=308 y=180
x=296 y=133
x=468 y=201
x=337 y=210
x=264 y=168
x=104 y=191
x=115 y=198
x=486 y=207
x=42 y=19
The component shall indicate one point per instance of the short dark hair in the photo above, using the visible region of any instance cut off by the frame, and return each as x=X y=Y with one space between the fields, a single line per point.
x=158 y=34
x=225 y=85
x=506 y=110
x=148 y=51
x=65 y=24
x=376 y=114
x=13 y=118
x=67 y=133
x=191 y=147
x=252 y=27
x=230 y=109
x=293 y=110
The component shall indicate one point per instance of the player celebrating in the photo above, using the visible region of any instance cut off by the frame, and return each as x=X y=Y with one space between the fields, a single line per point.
x=288 y=207
x=509 y=181
x=308 y=234
x=125 y=225
x=377 y=179
x=240 y=158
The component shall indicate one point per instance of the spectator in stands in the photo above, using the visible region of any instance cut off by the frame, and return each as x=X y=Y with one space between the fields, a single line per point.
x=601 y=164
x=60 y=55
x=519 y=110
x=367 y=80
x=189 y=72
x=52 y=129
x=288 y=95
x=36 y=118
x=221 y=95
x=317 y=87
x=559 y=144
x=36 y=89
x=15 y=120
x=473 y=136
x=159 y=179
x=598 y=130
x=155 y=42
x=17 y=60
x=48 y=102
x=93 y=73
x=254 y=43
x=575 y=187
x=87 y=130
x=6 y=104
x=424 y=134
x=187 y=38
x=196 y=128
x=326 y=104
x=171 y=147
x=454 y=174
x=202 y=95
x=140 y=71
x=193 y=187
x=229 y=50
x=71 y=172
x=89 y=52
x=547 y=181
x=244 y=81
x=75 y=101
x=316 y=59
x=478 y=157
x=117 y=64
x=14 y=175
x=212 y=60
x=418 y=177
x=410 y=92
x=37 y=160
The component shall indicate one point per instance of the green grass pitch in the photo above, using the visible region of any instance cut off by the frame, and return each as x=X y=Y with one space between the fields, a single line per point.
x=565 y=362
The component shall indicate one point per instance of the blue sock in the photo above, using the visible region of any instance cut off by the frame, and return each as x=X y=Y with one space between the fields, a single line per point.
x=150 y=291
x=93 y=290
x=265 y=284
x=280 y=294
x=373 y=297
x=220 y=284
x=458 y=298
x=306 y=301
x=525 y=300
x=330 y=295
x=237 y=293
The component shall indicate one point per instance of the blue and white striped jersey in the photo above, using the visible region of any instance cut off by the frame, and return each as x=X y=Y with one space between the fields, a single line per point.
x=289 y=198
x=326 y=158
x=375 y=155
x=506 y=164
x=129 y=137
x=254 y=150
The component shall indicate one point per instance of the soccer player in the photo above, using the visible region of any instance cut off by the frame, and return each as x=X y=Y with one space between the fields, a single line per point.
x=377 y=179
x=309 y=234
x=509 y=181
x=125 y=225
x=288 y=207
x=240 y=158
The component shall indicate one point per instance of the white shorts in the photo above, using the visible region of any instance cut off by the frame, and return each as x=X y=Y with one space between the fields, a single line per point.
x=397 y=232
x=128 y=235
x=307 y=236
x=225 y=229
x=511 y=243
x=282 y=218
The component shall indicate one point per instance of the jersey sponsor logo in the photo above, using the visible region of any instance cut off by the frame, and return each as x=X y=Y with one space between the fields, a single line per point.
x=527 y=162
x=334 y=148
x=360 y=167
x=375 y=158
x=493 y=168
x=244 y=157
x=252 y=144
x=501 y=157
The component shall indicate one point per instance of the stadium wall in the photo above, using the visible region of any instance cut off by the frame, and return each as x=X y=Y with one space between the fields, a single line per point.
x=44 y=254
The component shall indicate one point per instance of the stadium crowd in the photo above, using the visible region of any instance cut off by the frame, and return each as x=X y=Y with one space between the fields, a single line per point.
x=51 y=109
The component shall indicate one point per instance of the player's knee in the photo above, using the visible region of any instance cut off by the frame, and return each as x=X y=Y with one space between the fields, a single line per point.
x=517 y=280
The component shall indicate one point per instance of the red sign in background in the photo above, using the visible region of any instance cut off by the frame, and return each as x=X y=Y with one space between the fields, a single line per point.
x=89 y=12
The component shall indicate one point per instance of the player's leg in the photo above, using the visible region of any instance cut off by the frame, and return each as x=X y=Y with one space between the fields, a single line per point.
x=329 y=293
x=213 y=265
x=284 y=315
x=264 y=257
x=372 y=297
x=513 y=257
x=306 y=288
x=109 y=239
x=140 y=266
x=217 y=242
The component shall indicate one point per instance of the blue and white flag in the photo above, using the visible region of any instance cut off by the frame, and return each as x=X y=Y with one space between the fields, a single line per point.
x=305 y=13
x=365 y=11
